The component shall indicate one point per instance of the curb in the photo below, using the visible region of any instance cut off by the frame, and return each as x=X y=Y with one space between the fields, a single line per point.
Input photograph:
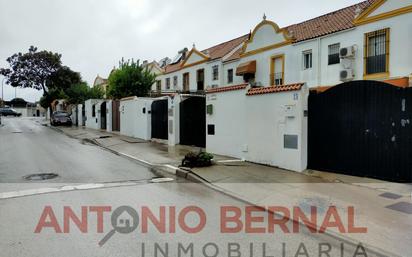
x=193 y=177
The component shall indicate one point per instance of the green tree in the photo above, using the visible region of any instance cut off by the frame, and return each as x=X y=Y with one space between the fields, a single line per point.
x=130 y=79
x=41 y=70
x=80 y=92
x=53 y=94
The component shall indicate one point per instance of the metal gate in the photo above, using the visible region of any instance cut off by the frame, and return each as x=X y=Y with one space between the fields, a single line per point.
x=362 y=128
x=159 y=119
x=193 y=121
x=115 y=115
x=103 y=116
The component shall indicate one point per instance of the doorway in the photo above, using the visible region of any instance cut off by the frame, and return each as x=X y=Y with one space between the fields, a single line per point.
x=103 y=115
x=200 y=78
x=277 y=67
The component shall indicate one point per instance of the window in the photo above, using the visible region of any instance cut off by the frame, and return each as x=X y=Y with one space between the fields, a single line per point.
x=186 y=86
x=175 y=82
x=215 y=72
x=333 y=56
x=200 y=79
x=94 y=111
x=307 y=60
x=377 y=52
x=167 y=83
x=159 y=85
x=230 y=76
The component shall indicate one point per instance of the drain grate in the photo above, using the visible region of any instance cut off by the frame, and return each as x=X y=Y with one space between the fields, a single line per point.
x=40 y=176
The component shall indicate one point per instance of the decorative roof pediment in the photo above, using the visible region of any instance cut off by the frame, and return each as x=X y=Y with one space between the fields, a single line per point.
x=194 y=57
x=383 y=9
x=266 y=35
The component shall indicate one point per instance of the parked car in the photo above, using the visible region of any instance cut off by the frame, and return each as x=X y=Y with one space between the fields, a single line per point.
x=60 y=118
x=9 y=112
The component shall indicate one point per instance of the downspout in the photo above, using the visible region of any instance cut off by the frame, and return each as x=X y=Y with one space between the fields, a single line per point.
x=319 y=63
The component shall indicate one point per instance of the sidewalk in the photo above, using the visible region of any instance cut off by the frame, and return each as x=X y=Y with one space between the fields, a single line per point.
x=389 y=229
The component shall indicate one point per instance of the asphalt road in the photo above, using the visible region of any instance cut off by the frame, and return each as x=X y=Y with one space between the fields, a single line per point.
x=26 y=148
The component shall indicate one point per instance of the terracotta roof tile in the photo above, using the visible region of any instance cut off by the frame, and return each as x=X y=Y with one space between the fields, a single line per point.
x=214 y=52
x=220 y=50
x=274 y=89
x=326 y=24
x=227 y=88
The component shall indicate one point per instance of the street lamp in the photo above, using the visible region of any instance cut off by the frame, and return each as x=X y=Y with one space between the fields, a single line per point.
x=2 y=95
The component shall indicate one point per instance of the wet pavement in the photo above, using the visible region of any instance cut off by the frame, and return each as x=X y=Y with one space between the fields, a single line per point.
x=90 y=178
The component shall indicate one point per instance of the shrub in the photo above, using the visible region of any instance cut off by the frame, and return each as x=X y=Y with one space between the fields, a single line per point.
x=201 y=159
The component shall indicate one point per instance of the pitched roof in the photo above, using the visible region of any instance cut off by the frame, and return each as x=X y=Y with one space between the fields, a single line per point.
x=274 y=89
x=329 y=23
x=227 y=88
x=220 y=50
x=214 y=52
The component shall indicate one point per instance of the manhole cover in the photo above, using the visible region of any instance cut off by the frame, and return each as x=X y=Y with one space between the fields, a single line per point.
x=161 y=180
x=41 y=176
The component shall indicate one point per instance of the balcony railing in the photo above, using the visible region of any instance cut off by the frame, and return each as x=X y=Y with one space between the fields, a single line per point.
x=276 y=78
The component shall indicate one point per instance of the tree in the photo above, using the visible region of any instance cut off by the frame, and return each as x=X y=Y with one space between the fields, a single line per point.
x=78 y=93
x=130 y=79
x=53 y=94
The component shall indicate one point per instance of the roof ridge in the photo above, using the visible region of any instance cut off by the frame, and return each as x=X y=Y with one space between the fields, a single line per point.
x=225 y=42
x=330 y=13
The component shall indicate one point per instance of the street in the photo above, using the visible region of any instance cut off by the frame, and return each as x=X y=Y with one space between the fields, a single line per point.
x=27 y=147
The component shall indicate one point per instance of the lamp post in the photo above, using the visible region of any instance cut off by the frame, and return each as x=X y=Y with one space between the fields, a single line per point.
x=2 y=94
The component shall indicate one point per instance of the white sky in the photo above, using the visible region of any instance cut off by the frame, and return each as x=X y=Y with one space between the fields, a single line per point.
x=93 y=35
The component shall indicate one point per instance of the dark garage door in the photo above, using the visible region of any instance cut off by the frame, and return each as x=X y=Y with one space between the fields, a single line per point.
x=362 y=128
x=159 y=119
x=193 y=121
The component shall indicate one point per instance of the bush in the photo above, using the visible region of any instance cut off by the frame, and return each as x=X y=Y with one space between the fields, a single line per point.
x=201 y=159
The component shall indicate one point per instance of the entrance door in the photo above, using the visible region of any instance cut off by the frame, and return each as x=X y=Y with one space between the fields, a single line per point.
x=103 y=115
x=159 y=119
x=115 y=115
x=83 y=114
x=277 y=65
x=200 y=78
x=193 y=121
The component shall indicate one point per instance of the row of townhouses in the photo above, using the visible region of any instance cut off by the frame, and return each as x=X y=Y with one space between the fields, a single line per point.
x=297 y=97
x=369 y=40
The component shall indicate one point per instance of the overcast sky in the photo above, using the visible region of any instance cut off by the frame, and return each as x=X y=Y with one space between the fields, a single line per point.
x=93 y=35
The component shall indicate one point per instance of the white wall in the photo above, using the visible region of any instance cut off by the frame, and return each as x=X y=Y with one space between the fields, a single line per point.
x=229 y=120
x=135 y=117
x=174 y=119
x=253 y=127
x=109 y=116
x=80 y=114
x=93 y=122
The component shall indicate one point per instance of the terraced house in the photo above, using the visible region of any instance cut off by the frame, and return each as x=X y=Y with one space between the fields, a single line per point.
x=368 y=40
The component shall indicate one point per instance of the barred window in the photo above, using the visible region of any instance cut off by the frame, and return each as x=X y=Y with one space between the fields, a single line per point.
x=333 y=56
x=215 y=72
x=175 y=82
x=230 y=76
x=167 y=83
x=307 y=60
x=377 y=52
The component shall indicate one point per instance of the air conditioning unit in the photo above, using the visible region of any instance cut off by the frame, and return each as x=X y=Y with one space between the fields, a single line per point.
x=346 y=75
x=214 y=86
x=347 y=52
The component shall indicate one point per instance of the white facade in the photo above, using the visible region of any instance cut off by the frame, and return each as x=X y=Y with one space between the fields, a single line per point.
x=268 y=40
x=92 y=109
x=255 y=127
x=135 y=118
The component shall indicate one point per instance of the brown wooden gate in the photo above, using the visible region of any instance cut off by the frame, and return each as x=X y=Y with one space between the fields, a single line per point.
x=115 y=115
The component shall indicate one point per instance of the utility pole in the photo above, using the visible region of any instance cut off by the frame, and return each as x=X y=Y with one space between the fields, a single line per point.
x=2 y=93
